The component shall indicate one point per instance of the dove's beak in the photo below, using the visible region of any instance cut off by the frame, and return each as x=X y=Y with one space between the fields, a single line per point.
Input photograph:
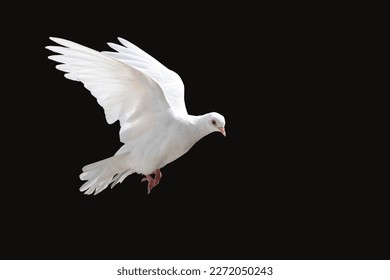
x=222 y=130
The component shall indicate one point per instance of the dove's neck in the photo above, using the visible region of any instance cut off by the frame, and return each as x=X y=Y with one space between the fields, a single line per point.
x=199 y=126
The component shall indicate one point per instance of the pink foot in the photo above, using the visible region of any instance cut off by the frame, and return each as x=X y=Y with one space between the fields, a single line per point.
x=152 y=182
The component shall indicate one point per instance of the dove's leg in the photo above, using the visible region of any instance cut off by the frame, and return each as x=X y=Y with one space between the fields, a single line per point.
x=157 y=175
x=152 y=182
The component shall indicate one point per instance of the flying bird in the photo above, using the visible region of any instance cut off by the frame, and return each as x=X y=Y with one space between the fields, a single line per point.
x=146 y=98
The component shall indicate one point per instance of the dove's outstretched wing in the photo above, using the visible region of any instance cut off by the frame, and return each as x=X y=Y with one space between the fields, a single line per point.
x=169 y=81
x=126 y=93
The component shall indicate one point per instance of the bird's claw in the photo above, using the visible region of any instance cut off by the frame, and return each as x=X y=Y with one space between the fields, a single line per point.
x=152 y=182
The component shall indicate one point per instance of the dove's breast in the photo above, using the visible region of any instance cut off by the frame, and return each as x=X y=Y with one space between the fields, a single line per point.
x=176 y=141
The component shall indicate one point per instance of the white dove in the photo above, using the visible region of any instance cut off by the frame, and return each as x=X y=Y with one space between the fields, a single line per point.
x=148 y=100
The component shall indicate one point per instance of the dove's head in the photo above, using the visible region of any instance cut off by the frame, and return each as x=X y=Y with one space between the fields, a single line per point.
x=216 y=122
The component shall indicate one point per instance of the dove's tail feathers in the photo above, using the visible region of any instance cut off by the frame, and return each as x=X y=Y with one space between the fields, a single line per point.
x=99 y=175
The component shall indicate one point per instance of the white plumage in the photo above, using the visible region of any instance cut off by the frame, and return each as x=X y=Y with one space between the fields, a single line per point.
x=148 y=100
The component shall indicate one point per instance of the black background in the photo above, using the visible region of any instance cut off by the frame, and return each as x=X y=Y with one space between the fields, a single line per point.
x=285 y=183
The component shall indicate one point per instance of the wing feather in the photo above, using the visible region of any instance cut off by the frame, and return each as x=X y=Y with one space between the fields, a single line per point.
x=169 y=81
x=125 y=93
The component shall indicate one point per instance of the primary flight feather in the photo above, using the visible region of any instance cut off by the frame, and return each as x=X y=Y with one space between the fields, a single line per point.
x=148 y=100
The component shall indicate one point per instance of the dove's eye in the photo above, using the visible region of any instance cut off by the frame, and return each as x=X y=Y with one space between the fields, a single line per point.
x=213 y=122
